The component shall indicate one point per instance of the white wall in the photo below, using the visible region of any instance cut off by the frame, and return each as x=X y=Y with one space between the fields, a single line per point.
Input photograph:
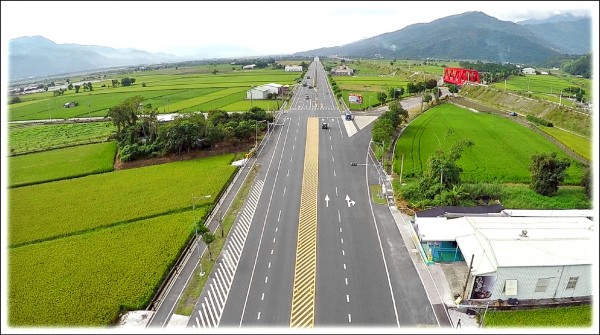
x=256 y=94
x=527 y=279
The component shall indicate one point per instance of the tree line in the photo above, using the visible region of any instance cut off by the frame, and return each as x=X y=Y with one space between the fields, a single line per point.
x=140 y=135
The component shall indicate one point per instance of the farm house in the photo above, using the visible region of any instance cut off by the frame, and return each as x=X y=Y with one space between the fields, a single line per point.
x=342 y=71
x=257 y=93
x=263 y=91
x=522 y=255
x=293 y=68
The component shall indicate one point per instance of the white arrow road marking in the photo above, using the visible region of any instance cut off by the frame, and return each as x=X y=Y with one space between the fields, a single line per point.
x=327 y=199
x=350 y=201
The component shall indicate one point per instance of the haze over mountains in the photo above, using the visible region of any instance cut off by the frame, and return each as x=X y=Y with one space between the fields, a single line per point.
x=474 y=36
x=467 y=36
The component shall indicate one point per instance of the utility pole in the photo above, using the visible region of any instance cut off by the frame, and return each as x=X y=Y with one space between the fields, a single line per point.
x=383 y=156
x=560 y=99
x=401 y=167
x=468 y=275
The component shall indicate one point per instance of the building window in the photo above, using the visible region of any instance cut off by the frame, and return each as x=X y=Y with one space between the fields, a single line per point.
x=542 y=285
x=572 y=282
x=510 y=287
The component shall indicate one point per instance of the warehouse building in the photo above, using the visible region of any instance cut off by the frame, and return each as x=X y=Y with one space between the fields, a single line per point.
x=532 y=255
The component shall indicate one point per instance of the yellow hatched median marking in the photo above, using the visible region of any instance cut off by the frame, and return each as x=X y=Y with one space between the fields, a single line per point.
x=303 y=292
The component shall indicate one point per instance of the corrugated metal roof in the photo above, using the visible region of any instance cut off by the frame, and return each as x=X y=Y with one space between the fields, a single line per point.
x=442 y=229
x=544 y=212
x=517 y=241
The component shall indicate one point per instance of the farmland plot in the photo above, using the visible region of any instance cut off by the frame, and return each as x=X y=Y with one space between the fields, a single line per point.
x=84 y=280
x=62 y=163
x=502 y=149
x=68 y=207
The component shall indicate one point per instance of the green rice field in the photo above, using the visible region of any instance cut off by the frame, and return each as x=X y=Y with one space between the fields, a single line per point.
x=85 y=280
x=33 y=137
x=579 y=144
x=562 y=317
x=368 y=87
x=52 y=210
x=184 y=90
x=547 y=87
x=83 y=250
x=501 y=153
x=62 y=163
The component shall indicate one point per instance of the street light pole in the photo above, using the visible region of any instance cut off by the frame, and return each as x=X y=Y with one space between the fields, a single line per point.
x=196 y=229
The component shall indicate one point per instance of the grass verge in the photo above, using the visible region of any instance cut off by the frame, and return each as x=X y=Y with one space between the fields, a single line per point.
x=560 y=317
x=192 y=292
x=376 y=196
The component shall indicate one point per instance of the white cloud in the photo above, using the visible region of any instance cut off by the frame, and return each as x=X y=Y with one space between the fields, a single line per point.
x=267 y=27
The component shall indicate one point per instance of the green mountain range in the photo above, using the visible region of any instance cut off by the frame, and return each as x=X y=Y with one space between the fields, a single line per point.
x=473 y=36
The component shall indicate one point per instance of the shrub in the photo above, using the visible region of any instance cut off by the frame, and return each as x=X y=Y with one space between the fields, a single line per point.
x=538 y=121
x=15 y=100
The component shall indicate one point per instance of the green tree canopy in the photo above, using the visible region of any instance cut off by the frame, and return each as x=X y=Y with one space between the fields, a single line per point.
x=547 y=172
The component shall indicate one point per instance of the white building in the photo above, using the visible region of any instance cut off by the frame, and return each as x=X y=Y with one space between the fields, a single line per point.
x=293 y=68
x=521 y=257
x=257 y=93
x=528 y=70
x=273 y=88
x=342 y=71
x=249 y=67
x=263 y=91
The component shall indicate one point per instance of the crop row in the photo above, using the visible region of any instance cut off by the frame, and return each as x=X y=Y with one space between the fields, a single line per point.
x=61 y=208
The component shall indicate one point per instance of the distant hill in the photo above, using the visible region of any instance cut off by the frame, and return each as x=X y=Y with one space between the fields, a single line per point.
x=572 y=35
x=467 y=36
x=566 y=17
x=36 y=56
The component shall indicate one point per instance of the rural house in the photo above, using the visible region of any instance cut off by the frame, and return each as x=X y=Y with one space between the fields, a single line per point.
x=518 y=254
x=342 y=71
x=293 y=68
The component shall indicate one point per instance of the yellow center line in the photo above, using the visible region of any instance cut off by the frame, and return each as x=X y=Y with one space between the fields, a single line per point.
x=303 y=292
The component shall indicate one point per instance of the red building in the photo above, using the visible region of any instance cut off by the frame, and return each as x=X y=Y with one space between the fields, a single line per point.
x=460 y=76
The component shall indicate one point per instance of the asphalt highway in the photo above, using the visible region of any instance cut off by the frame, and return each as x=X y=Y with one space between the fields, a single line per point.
x=310 y=248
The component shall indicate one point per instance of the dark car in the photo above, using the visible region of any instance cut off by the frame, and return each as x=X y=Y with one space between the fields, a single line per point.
x=325 y=125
